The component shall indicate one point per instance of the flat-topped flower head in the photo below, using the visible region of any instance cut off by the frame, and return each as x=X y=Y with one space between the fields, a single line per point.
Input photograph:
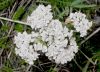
x=80 y=23
x=62 y=44
x=23 y=47
x=40 y=17
x=48 y=36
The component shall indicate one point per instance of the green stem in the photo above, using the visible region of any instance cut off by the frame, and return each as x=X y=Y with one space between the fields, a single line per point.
x=77 y=64
x=15 y=21
x=87 y=57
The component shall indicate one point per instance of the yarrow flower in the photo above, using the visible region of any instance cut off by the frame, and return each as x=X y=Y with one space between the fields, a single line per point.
x=48 y=36
x=62 y=46
x=23 y=49
x=80 y=23
x=40 y=17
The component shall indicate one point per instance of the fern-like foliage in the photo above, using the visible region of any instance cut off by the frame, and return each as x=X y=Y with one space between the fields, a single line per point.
x=5 y=3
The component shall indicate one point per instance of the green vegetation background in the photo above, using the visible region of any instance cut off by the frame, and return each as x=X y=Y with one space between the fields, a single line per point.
x=86 y=60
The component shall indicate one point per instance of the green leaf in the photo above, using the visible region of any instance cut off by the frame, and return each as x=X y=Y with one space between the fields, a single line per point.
x=76 y=2
x=18 y=13
x=5 y=4
x=86 y=67
x=98 y=67
x=51 y=70
x=19 y=27
x=84 y=6
x=16 y=16
x=97 y=55
x=6 y=69
x=5 y=28
x=3 y=42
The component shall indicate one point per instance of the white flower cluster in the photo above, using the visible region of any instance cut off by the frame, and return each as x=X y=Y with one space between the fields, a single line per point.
x=24 y=49
x=48 y=36
x=61 y=45
x=40 y=17
x=80 y=23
